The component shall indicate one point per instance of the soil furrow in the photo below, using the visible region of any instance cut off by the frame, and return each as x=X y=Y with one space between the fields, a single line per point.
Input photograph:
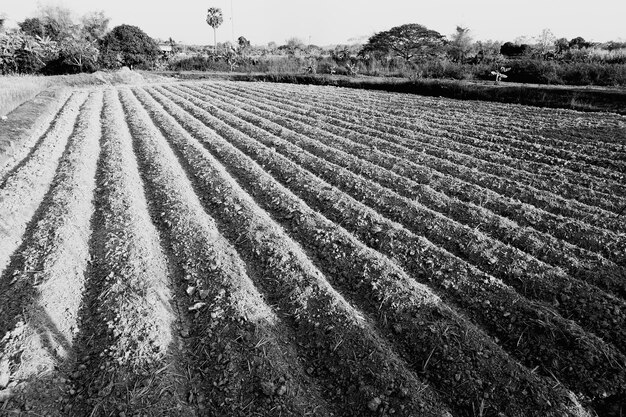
x=485 y=299
x=23 y=140
x=241 y=354
x=127 y=361
x=24 y=189
x=481 y=142
x=383 y=290
x=493 y=184
x=607 y=242
x=483 y=136
x=579 y=263
x=593 y=308
x=42 y=289
x=555 y=123
x=572 y=231
x=433 y=143
x=359 y=369
x=239 y=249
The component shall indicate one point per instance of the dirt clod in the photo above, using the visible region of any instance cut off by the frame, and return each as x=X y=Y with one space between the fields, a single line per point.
x=281 y=390
x=373 y=404
x=267 y=388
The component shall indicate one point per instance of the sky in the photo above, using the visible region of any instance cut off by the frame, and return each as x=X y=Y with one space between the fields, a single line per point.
x=328 y=22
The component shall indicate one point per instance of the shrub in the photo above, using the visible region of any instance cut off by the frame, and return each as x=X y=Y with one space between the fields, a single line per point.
x=533 y=71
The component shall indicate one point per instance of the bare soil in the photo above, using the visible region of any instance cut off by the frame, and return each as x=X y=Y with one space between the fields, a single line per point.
x=238 y=249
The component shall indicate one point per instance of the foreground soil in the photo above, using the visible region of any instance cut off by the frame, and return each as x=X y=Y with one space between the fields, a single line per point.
x=240 y=249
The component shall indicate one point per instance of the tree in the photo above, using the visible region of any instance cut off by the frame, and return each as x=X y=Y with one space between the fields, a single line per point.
x=510 y=49
x=128 y=45
x=80 y=53
x=214 y=18
x=410 y=41
x=29 y=55
x=32 y=26
x=57 y=21
x=579 y=43
x=172 y=43
x=294 y=45
x=545 y=42
x=94 y=26
x=488 y=51
x=243 y=45
x=561 y=45
x=272 y=46
x=461 y=44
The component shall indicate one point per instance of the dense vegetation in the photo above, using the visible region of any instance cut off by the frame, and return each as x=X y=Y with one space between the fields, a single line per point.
x=414 y=51
x=52 y=43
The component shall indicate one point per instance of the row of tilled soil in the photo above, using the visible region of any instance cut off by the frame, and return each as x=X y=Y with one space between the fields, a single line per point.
x=593 y=308
x=490 y=135
x=573 y=231
x=233 y=340
x=40 y=291
x=578 y=262
x=453 y=163
x=125 y=356
x=598 y=236
x=18 y=139
x=567 y=126
x=356 y=368
x=459 y=133
x=400 y=307
x=25 y=184
x=486 y=299
x=183 y=251
x=454 y=146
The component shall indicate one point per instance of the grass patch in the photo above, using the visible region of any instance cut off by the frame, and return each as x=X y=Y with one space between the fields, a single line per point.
x=16 y=89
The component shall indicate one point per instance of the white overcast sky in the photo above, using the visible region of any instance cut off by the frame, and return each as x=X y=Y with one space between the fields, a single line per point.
x=326 y=22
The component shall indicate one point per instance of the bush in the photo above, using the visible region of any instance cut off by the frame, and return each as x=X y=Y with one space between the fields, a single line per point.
x=523 y=70
x=593 y=74
x=533 y=71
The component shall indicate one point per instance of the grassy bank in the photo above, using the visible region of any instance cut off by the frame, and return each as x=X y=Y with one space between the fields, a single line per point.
x=16 y=89
x=568 y=97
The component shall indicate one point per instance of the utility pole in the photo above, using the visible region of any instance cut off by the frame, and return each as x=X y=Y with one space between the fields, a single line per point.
x=232 y=22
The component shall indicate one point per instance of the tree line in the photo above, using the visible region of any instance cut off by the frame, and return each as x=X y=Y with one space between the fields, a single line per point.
x=53 y=42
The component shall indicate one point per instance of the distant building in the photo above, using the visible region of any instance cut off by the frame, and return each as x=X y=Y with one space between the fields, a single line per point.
x=167 y=51
x=166 y=48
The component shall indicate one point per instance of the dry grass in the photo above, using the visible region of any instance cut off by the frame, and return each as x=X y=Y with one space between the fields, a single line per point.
x=16 y=89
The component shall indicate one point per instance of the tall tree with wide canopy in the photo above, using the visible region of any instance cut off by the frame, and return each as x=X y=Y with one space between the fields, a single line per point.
x=410 y=42
x=214 y=18
x=128 y=45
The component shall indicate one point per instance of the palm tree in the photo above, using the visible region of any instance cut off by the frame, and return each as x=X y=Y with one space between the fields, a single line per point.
x=214 y=18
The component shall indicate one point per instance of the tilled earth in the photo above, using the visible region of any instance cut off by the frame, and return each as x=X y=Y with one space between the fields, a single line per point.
x=242 y=249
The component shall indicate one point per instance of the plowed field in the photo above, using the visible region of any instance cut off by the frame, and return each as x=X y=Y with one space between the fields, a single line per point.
x=242 y=249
